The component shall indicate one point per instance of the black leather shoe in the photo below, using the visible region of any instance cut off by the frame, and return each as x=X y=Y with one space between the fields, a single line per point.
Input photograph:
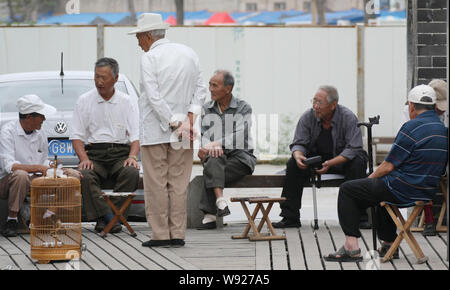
x=223 y=212
x=177 y=243
x=384 y=249
x=117 y=228
x=429 y=230
x=10 y=229
x=207 y=226
x=285 y=223
x=100 y=225
x=156 y=243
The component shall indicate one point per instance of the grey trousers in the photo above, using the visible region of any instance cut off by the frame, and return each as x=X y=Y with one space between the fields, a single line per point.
x=216 y=173
x=108 y=166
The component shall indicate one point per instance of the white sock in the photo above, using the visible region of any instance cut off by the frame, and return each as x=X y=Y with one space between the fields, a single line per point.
x=208 y=218
x=221 y=203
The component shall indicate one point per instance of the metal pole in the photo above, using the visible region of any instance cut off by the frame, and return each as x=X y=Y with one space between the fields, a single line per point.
x=360 y=83
x=447 y=132
x=100 y=41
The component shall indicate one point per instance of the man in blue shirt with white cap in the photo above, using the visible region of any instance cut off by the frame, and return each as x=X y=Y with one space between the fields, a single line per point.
x=411 y=172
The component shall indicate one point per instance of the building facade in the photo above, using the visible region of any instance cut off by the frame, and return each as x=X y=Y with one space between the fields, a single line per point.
x=101 y=6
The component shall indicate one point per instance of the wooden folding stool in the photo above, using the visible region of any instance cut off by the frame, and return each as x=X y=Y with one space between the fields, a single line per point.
x=404 y=231
x=257 y=235
x=118 y=214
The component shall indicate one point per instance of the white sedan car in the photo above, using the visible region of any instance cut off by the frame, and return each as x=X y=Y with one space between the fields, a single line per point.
x=61 y=92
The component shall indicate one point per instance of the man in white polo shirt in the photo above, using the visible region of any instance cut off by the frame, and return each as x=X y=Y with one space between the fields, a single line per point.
x=172 y=95
x=105 y=136
x=23 y=155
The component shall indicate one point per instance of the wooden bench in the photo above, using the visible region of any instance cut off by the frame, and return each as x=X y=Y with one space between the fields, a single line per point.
x=195 y=215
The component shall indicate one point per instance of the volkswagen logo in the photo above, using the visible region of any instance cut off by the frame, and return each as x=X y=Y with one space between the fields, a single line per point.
x=61 y=127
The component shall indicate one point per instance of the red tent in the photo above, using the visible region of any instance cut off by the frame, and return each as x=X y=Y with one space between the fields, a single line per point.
x=220 y=18
x=171 y=20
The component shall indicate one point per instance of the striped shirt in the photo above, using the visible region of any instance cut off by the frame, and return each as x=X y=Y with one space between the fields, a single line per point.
x=419 y=155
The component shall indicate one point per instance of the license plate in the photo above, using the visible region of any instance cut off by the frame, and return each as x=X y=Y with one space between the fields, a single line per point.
x=60 y=147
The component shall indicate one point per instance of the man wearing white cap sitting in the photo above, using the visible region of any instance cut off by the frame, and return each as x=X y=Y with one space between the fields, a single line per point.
x=23 y=155
x=410 y=172
x=172 y=95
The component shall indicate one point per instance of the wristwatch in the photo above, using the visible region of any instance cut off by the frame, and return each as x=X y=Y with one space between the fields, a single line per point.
x=133 y=157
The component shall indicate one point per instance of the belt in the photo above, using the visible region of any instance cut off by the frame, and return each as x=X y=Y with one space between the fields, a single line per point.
x=102 y=146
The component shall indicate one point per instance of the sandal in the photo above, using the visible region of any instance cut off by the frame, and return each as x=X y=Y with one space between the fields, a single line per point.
x=342 y=255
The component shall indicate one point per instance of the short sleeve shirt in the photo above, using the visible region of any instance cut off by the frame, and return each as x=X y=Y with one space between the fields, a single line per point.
x=419 y=155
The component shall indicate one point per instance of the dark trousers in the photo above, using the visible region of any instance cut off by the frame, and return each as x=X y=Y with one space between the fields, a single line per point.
x=296 y=177
x=108 y=168
x=358 y=195
x=216 y=173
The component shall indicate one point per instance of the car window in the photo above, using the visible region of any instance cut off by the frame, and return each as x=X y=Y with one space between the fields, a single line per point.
x=62 y=95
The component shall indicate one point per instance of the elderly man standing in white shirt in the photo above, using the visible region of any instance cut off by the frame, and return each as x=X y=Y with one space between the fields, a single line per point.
x=105 y=136
x=23 y=155
x=172 y=94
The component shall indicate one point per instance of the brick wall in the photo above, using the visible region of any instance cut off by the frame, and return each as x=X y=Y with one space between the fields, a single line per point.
x=429 y=28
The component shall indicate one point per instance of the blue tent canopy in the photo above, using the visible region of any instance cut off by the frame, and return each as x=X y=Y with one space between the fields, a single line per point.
x=265 y=17
x=352 y=15
x=273 y=17
x=83 y=18
x=86 y=18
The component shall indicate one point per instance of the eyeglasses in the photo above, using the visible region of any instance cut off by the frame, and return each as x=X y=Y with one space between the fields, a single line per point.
x=319 y=103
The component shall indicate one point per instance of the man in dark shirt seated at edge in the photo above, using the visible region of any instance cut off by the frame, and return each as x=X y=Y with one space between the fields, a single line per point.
x=329 y=130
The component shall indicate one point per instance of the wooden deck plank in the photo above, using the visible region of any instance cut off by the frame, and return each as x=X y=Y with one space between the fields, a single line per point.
x=262 y=256
x=326 y=246
x=168 y=254
x=119 y=253
x=100 y=253
x=409 y=255
x=434 y=260
x=7 y=263
x=156 y=257
x=185 y=265
x=440 y=247
x=123 y=241
x=23 y=262
x=312 y=256
x=226 y=263
x=366 y=246
x=215 y=250
x=339 y=240
x=296 y=257
x=91 y=261
x=9 y=247
x=279 y=257
x=23 y=244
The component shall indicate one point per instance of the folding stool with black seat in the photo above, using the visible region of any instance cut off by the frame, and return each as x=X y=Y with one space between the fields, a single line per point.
x=404 y=228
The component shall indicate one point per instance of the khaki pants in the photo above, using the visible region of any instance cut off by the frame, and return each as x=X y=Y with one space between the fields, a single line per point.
x=167 y=173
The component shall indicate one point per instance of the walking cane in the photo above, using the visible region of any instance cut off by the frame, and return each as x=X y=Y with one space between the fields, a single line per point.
x=372 y=121
x=314 y=164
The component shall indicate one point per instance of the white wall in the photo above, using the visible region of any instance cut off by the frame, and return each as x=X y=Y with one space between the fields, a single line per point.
x=24 y=49
x=386 y=77
x=277 y=69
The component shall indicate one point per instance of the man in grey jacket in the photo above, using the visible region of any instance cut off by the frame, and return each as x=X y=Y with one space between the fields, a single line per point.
x=329 y=130
x=227 y=149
